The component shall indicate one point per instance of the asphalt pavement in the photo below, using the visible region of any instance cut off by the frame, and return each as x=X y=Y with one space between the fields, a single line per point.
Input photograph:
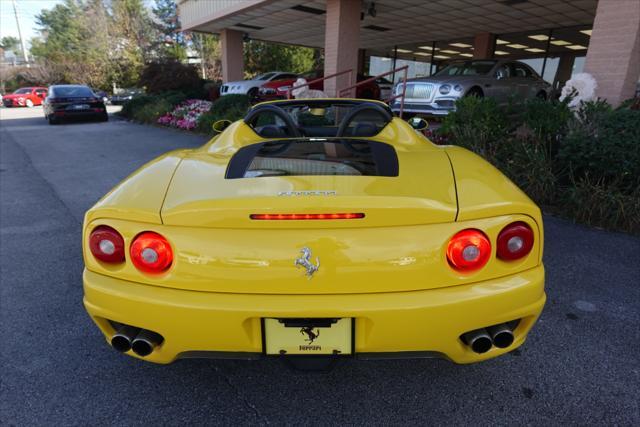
x=580 y=365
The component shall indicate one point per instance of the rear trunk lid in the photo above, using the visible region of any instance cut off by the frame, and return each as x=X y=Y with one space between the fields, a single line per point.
x=396 y=246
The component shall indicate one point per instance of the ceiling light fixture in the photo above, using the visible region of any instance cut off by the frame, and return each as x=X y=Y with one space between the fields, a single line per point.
x=501 y=52
x=560 y=42
x=499 y=41
x=534 y=50
x=539 y=37
x=517 y=46
x=576 y=47
x=462 y=45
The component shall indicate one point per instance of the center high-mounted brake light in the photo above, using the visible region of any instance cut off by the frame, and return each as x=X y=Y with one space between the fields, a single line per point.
x=469 y=250
x=297 y=217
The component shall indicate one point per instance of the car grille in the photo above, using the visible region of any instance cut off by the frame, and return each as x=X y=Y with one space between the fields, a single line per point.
x=422 y=91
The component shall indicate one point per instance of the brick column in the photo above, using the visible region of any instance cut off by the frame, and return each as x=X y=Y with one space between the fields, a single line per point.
x=613 y=57
x=232 y=55
x=483 y=46
x=341 y=41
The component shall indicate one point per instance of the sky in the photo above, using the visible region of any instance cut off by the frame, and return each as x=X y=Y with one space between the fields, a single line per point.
x=27 y=11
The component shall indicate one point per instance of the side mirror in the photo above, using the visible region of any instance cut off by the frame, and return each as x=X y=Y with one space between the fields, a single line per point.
x=418 y=123
x=220 y=125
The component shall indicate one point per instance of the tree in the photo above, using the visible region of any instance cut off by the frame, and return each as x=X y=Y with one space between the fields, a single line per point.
x=260 y=57
x=96 y=42
x=10 y=43
x=173 y=40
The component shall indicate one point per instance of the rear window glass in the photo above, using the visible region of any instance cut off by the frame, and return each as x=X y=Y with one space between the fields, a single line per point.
x=304 y=157
x=71 y=91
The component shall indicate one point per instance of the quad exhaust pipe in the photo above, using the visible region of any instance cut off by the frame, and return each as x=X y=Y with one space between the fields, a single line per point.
x=481 y=340
x=141 y=341
x=501 y=335
x=123 y=337
x=145 y=342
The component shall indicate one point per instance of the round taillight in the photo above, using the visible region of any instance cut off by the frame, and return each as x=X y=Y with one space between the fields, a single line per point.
x=106 y=244
x=515 y=241
x=469 y=250
x=151 y=253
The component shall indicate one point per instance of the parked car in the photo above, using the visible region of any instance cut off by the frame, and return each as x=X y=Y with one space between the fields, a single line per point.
x=279 y=89
x=25 y=97
x=73 y=101
x=251 y=87
x=386 y=88
x=124 y=95
x=307 y=229
x=499 y=79
x=102 y=95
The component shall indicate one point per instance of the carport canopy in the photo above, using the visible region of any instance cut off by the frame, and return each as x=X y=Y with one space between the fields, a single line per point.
x=408 y=28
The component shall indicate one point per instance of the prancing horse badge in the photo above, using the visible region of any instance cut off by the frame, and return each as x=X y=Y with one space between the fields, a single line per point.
x=304 y=260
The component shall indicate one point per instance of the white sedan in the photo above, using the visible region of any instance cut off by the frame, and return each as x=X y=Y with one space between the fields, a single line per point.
x=250 y=87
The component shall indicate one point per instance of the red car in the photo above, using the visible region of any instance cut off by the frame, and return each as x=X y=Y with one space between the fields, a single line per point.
x=25 y=97
x=277 y=89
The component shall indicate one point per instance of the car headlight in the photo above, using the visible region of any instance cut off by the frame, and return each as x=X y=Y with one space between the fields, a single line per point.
x=457 y=88
x=284 y=88
x=445 y=89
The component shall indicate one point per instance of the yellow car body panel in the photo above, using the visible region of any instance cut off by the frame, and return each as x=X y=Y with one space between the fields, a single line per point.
x=388 y=270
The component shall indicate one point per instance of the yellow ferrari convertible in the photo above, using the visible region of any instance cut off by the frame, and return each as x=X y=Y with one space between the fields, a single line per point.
x=320 y=228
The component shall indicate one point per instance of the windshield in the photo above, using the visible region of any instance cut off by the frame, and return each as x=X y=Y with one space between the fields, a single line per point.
x=265 y=76
x=319 y=119
x=23 y=91
x=71 y=91
x=467 y=68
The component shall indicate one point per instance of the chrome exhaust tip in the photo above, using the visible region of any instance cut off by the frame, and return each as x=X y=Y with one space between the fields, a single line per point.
x=145 y=342
x=123 y=337
x=479 y=340
x=501 y=335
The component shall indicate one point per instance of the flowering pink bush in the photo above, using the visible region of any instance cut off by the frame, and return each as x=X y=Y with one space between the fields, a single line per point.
x=185 y=115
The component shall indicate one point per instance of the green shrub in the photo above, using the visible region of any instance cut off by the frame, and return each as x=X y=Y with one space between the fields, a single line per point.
x=228 y=107
x=604 y=145
x=135 y=104
x=148 y=108
x=477 y=124
x=583 y=164
x=159 y=77
x=546 y=120
x=602 y=205
x=529 y=164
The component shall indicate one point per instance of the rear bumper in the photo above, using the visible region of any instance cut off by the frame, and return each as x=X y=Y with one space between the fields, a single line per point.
x=413 y=324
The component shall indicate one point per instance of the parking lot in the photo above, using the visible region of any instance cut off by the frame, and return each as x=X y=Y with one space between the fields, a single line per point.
x=580 y=364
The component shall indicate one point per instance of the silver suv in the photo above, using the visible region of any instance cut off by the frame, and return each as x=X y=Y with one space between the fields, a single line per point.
x=499 y=79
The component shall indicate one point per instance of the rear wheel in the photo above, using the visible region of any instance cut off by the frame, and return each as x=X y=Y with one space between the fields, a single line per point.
x=477 y=92
x=29 y=103
x=52 y=119
x=253 y=94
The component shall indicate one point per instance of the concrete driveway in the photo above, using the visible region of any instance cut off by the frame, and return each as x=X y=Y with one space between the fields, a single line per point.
x=581 y=364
